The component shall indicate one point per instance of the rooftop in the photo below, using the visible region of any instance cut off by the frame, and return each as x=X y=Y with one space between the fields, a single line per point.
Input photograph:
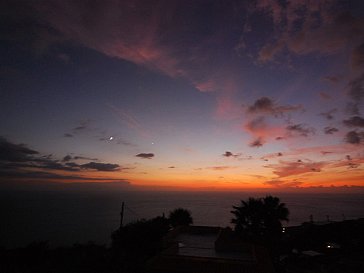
x=209 y=249
x=203 y=245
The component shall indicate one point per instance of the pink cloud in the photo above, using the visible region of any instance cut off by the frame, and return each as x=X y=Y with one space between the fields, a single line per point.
x=206 y=86
x=349 y=162
x=290 y=168
x=336 y=149
x=226 y=87
x=152 y=35
x=261 y=130
x=126 y=30
x=283 y=184
x=145 y=33
x=320 y=28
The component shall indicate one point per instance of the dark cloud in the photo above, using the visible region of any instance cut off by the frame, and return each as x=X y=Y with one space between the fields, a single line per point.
x=355 y=121
x=230 y=154
x=357 y=58
x=84 y=158
x=328 y=115
x=280 y=138
x=45 y=180
x=15 y=152
x=67 y=158
x=171 y=167
x=354 y=137
x=265 y=105
x=330 y=130
x=36 y=163
x=145 y=155
x=300 y=129
x=104 y=167
x=279 y=154
x=72 y=165
x=17 y=160
x=37 y=175
x=55 y=165
x=257 y=143
x=356 y=93
x=319 y=29
x=82 y=126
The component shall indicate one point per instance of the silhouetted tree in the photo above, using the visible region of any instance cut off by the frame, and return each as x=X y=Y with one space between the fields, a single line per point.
x=180 y=217
x=274 y=213
x=260 y=218
x=133 y=244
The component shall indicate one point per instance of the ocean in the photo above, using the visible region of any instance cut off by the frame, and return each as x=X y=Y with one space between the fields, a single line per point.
x=64 y=218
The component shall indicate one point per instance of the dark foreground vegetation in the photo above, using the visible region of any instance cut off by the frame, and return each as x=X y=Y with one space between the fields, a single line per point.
x=327 y=248
x=132 y=245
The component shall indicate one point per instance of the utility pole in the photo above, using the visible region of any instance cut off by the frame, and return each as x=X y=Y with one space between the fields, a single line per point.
x=121 y=215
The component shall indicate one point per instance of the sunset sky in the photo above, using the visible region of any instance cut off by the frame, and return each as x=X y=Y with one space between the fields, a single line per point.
x=194 y=94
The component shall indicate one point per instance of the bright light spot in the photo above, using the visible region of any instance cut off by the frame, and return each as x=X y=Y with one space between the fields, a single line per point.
x=152 y=143
x=111 y=138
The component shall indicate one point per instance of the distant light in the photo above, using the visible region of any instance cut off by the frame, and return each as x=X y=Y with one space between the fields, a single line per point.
x=152 y=143
x=111 y=138
x=328 y=246
x=283 y=229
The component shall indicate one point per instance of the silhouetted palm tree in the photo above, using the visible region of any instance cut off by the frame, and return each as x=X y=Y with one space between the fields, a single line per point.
x=274 y=213
x=180 y=217
x=260 y=217
x=248 y=216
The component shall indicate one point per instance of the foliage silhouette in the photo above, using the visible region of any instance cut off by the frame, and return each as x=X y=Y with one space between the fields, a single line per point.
x=260 y=219
x=136 y=242
x=180 y=217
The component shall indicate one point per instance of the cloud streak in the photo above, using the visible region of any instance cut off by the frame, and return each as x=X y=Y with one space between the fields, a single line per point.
x=103 y=167
x=145 y=155
x=265 y=105
x=17 y=160
x=355 y=121
x=300 y=130
x=292 y=168
x=330 y=130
